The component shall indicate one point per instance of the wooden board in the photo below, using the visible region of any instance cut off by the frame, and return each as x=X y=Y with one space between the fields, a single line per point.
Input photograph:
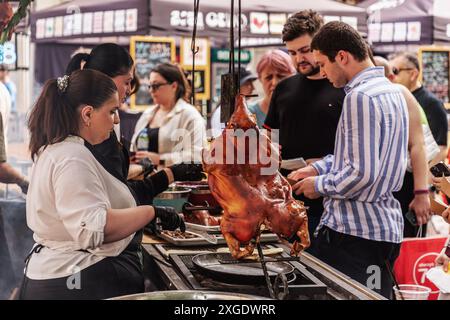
x=147 y=53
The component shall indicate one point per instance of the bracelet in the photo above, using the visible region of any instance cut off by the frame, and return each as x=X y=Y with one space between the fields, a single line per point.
x=420 y=191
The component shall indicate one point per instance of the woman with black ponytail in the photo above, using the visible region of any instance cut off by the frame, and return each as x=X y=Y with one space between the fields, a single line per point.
x=86 y=223
x=114 y=61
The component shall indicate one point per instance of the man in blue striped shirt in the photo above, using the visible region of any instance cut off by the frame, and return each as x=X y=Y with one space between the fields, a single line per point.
x=361 y=229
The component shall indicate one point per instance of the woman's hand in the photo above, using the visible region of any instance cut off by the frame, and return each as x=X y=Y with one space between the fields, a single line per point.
x=443 y=260
x=442 y=184
x=154 y=157
x=446 y=215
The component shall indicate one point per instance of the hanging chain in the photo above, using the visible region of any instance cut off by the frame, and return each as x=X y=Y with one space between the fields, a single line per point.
x=194 y=49
x=239 y=44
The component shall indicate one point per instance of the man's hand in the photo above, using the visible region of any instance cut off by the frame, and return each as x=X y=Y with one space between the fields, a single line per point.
x=306 y=187
x=421 y=206
x=302 y=173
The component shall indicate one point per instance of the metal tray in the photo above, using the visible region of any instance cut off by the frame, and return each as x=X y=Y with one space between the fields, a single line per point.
x=189 y=295
x=247 y=272
x=203 y=228
x=265 y=237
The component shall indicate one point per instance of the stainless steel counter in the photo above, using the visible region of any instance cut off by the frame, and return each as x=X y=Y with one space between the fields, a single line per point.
x=165 y=276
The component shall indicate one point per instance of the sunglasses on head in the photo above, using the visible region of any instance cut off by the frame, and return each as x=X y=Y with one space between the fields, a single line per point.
x=396 y=70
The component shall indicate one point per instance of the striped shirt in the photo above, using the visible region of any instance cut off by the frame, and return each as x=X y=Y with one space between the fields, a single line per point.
x=369 y=161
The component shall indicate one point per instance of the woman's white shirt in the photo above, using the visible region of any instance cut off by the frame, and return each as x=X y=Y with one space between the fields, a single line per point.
x=67 y=200
x=182 y=135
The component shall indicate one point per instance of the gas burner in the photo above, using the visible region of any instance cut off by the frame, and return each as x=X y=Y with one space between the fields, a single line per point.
x=300 y=285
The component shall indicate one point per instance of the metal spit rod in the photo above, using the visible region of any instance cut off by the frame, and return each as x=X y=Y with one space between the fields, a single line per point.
x=266 y=273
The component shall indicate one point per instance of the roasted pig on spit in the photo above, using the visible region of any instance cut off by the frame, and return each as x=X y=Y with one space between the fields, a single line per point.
x=242 y=166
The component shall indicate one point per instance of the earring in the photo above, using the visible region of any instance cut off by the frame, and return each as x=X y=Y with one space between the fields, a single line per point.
x=88 y=124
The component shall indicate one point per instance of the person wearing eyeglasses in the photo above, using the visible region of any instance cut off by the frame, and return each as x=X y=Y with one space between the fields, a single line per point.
x=305 y=108
x=406 y=70
x=422 y=148
x=114 y=61
x=171 y=131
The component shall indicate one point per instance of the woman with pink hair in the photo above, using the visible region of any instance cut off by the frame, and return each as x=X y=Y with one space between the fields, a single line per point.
x=274 y=66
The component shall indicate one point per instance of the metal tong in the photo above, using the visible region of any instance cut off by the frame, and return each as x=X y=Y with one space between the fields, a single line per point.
x=280 y=279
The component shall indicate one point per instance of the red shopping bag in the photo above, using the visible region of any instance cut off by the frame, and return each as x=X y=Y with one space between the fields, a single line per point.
x=416 y=257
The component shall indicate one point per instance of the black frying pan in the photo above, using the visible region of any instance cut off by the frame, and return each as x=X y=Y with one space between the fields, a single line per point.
x=242 y=273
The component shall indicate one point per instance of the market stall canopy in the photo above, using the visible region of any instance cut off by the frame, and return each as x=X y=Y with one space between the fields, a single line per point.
x=441 y=21
x=87 y=18
x=407 y=22
x=261 y=19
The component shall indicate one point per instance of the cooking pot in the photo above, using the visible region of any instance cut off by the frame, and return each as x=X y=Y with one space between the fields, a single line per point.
x=173 y=197
x=201 y=194
x=189 y=295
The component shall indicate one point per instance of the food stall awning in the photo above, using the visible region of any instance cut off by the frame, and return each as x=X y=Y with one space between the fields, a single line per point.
x=261 y=19
x=86 y=18
x=396 y=23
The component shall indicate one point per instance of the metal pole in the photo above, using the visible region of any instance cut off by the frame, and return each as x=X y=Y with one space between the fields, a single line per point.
x=194 y=50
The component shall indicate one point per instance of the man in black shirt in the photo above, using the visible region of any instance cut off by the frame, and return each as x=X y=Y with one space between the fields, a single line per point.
x=406 y=69
x=305 y=108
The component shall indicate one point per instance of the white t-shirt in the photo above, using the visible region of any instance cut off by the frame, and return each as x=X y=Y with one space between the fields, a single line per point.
x=67 y=200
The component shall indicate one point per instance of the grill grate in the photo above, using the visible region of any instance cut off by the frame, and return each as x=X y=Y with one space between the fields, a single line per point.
x=305 y=285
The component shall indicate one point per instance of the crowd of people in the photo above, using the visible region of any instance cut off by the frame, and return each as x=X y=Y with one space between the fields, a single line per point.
x=367 y=128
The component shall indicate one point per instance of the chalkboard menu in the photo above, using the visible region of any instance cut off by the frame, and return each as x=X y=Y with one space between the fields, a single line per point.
x=435 y=71
x=201 y=82
x=147 y=52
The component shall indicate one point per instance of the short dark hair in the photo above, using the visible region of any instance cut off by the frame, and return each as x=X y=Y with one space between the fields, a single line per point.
x=55 y=115
x=410 y=57
x=301 y=23
x=174 y=73
x=336 y=36
x=135 y=83
x=109 y=58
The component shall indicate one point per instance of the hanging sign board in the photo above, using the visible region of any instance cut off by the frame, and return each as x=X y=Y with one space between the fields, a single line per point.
x=202 y=58
x=202 y=76
x=223 y=56
x=147 y=52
